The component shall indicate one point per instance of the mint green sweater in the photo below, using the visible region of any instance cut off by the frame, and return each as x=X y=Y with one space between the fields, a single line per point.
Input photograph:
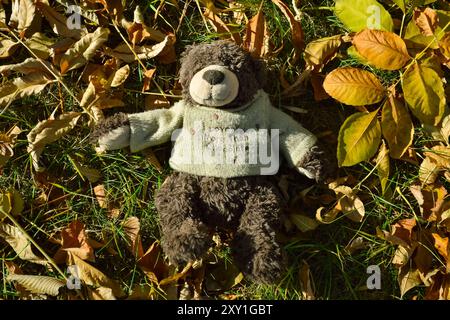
x=208 y=141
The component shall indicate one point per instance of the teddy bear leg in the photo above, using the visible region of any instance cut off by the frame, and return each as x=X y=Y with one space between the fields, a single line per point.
x=256 y=251
x=184 y=236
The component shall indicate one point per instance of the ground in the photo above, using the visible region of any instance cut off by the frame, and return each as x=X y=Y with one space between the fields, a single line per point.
x=131 y=179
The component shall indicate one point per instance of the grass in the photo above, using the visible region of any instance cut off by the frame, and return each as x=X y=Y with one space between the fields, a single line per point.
x=131 y=180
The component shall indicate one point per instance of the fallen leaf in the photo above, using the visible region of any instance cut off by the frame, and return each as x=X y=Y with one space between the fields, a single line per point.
x=382 y=49
x=49 y=131
x=396 y=126
x=423 y=90
x=305 y=277
x=20 y=244
x=256 y=39
x=303 y=223
x=22 y=15
x=83 y=50
x=75 y=240
x=359 y=138
x=426 y=20
x=383 y=167
x=221 y=27
x=354 y=86
x=319 y=52
x=38 y=284
x=296 y=28
x=92 y=276
x=57 y=21
x=144 y=52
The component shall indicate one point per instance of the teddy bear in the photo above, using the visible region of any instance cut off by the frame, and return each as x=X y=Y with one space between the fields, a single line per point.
x=227 y=138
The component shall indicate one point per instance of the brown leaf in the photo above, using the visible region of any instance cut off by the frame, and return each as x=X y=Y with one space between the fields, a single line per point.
x=428 y=171
x=321 y=51
x=92 y=276
x=430 y=199
x=317 y=84
x=256 y=39
x=408 y=279
x=144 y=52
x=131 y=227
x=7 y=48
x=221 y=27
x=426 y=20
x=396 y=126
x=152 y=263
x=38 y=284
x=441 y=244
x=305 y=277
x=57 y=21
x=83 y=50
x=148 y=76
x=75 y=239
x=296 y=28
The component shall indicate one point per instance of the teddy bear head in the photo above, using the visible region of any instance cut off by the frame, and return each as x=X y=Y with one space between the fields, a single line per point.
x=220 y=75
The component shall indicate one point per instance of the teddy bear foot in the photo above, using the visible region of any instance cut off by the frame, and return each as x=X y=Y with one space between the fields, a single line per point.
x=190 y=243
x=266 y=268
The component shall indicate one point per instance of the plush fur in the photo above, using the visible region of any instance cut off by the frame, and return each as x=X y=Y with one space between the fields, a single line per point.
x=192 y=207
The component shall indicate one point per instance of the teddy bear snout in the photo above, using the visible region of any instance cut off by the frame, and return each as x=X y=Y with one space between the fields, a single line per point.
x=214 y=76
x=214 y=86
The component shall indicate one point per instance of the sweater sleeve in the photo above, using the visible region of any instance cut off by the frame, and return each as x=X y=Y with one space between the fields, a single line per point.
x=154 y=127
x=294 y=140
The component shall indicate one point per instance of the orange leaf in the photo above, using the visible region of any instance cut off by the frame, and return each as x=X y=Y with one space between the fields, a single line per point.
x=426 y=20
x=256 y=39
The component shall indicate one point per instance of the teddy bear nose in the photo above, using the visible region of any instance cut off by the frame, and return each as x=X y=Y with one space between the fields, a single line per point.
x=213 y=76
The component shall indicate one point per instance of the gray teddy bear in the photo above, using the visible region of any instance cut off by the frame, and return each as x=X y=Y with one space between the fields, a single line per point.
x=227 y=137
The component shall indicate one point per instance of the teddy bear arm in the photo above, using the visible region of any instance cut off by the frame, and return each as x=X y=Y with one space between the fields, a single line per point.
x=112 y=133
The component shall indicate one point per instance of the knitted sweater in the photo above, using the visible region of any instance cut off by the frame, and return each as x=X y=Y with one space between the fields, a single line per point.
x=223 y=143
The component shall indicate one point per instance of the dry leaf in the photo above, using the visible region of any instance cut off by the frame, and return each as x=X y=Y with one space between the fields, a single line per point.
x=83 y=50
x=296 y=28
x=20 y=244
x=124 y=53
x=49 y=131
x=92 y=276
x=305 y=277
x=58 y=22
x=430 y=199
x=75 y=240
x=383 y=166
x=221 y=27
x=7 y=48
x=303 y=223
x=22 y=15
x=426 y=20
x=148 y=76
x=101 y=293
x=25 y=86
x=428 y=171
x=131 y=227
x=38 y=284
x=319 y=52
x=256 y=39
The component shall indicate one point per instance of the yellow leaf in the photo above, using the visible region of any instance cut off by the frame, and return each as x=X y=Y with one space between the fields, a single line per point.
x=7 y=48
x=22 y=15
x=144 y=52
x=396 y=126
x=428 y=171
x=424 y=93
x=349 y=203
x=355 y=87
x=408 y=279
x=362 y=14
x=359 y=138
x=383 y=166
x=444 y=44
x=384 y=50
x=319 y=52
x=441 y=244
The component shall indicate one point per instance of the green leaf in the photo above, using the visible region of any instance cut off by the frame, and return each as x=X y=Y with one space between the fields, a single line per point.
x=359 y=138
x=362 y=14
x=424 y=93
